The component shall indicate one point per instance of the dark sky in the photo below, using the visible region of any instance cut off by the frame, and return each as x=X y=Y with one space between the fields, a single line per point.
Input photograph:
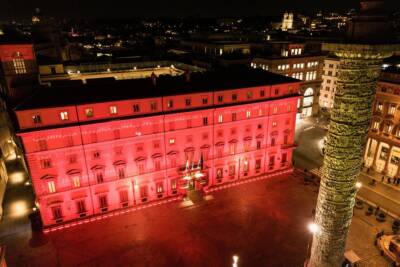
x=168 y=8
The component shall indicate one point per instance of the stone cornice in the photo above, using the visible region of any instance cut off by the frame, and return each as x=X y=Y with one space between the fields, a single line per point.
x=361 y=51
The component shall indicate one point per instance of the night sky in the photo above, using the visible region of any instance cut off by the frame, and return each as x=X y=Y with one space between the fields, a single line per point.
x=170 y=8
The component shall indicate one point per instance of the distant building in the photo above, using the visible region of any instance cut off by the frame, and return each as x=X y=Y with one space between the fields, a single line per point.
x=293 y=61
x=96 y=148
x=287 y=21
x=382 y=152
x=329 y=83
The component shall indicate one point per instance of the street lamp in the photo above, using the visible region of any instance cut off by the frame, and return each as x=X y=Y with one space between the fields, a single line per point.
x=358 y=185
x=235 y=260
x=314 y=230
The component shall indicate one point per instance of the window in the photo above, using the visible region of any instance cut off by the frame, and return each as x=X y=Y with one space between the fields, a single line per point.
x=205 y=136
x=234 y=97
x=159 y=188
x=103 y=203
x=96 y=155
x=276 y=91
x=285 y=139
x=262 y=93
x=249 y=94
x=260 y=112
x=275 y=110
x=153 y=106
x=136 y=107
x=205 y=121
x=121 y=172
x=42 y=144
x=170 y=104
x=392 y=109
x=171 y=141
x=157 y=164
x=205 y=100
x=76 y=181
x=289 y=107
x=245 y=165
x=232 y=148
x=272 y=141
x=248 y=114
x=72 y=159
x=189 y=123
x=64 y=115
x=99 y=176
x=219 y=173
x=69 y=140
x=233 y=116
x=232 y=169
x=376 y=125
x=174 y=186
x=271 y=161
x=188 y=102
x=57 y=214
x=45 y=163
x=220 y=98
x=220 y=118
x=36 y=118
x=51 y=186
x=19 y=65
x=143 y=193
x=274 y=124
x=259 y=126
x=89 y=112
x=258 y=144
x=113 y=110
x=258 y=165
x=284 y=158
x=80 y=206
x=123 y=198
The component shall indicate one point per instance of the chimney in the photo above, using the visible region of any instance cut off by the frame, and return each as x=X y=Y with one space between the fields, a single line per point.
x=154 y=78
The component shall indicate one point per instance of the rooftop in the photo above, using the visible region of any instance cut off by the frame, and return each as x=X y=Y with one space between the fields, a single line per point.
x=103 y=90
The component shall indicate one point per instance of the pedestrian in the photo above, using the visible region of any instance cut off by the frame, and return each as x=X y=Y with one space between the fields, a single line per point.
x=383 y=178
x=389 y=180
x=368 y=170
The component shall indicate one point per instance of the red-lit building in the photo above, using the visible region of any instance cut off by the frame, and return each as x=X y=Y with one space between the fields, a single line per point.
x=97 y=147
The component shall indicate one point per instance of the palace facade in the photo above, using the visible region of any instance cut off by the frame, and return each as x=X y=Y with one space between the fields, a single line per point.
x=383 y=148
x=100 y=146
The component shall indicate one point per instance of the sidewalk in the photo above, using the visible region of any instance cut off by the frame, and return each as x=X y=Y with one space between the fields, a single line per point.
x=378 y=177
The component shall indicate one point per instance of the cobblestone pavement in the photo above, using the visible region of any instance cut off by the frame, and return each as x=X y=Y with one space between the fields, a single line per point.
x=264 y=223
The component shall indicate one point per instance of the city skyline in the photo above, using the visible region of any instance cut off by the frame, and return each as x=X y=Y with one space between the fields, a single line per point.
x=177 y=8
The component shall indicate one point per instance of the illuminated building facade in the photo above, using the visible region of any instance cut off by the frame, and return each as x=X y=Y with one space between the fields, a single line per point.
x=383 y=148
x=294 y=62
x=91 y=150
x=329 y=83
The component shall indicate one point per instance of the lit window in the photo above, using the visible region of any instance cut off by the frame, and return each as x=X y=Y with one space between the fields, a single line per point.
x=392 y=109
x=52 y=187
x=76 y=181
x=89 y=112
x=170 y=104
x=260 y=112
x=36 y=118
x=64 y=115
x=249 y=95
x=113 y=110
x=19 y=66
x=205 y=100
x=220 y=118
x=248 y=113
x=172 y=141
x=376 y=125
x=274 y=123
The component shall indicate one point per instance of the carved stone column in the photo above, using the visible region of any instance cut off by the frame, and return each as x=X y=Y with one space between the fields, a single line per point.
x=373 y=166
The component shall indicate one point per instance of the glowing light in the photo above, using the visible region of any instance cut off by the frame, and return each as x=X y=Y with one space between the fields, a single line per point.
x=108 y=69
x=235 y=260
x=358 y=185
x=34 y=208
x=27 y=183
x=187 y=177
x=19 y=208
x=198 y=175
x=17 y=178
x=314 y=228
